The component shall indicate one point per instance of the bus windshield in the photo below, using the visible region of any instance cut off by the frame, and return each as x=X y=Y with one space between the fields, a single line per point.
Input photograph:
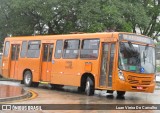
x=136 y=58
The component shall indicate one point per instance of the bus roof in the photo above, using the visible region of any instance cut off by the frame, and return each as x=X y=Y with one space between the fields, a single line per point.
x=69 y=36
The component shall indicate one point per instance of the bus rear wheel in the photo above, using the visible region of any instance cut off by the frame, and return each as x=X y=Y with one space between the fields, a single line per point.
x=121 y=93
x=27 y=79
x=89 y=90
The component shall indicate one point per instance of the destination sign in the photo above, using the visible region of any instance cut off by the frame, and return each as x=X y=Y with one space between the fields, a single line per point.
x=136 y=38
x=35 y=42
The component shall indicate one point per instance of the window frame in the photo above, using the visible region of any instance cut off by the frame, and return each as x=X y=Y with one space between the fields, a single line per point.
x=29 y=43
x=50 y=58
x=45 y=55
x=13 y=52
x=64 y=50
x=22 y=49
x=82 y=42
x=6 y=53
x=58 y=49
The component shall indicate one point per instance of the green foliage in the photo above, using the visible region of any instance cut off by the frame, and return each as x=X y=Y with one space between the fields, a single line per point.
x=28 y=17
x=158 y=68
x=158 y=44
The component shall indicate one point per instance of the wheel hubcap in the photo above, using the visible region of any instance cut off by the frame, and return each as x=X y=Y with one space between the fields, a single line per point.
x=28 y=78
x=87 y=85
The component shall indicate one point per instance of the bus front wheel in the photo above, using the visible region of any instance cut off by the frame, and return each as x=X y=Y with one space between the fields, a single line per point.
x=28 y=78
x=89 y=87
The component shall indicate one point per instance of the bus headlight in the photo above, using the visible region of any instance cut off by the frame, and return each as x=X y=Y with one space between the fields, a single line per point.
x=120 y=74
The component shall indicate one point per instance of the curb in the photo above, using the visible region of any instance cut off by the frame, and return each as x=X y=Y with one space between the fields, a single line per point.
x=6 y=79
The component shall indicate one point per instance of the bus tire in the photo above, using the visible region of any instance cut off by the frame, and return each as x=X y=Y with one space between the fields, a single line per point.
x=89 y=89
x=121 y=93
x=28 y=79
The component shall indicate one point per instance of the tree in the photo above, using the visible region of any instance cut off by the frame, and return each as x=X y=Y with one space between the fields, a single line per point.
x=58 y=16
x=153 y=11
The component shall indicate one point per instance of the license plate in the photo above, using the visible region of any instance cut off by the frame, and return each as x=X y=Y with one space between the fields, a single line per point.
x=139 y=87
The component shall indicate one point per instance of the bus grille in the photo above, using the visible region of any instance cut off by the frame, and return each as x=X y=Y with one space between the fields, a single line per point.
x=139 y=80
x=146 y=82
x=133 y=81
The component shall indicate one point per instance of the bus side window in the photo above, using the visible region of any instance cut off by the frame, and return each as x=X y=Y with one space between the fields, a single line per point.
x=6 y=49
x=89 y=49
x=33 y=49
x=24 y=49
x=71 y=49
x=58 y=51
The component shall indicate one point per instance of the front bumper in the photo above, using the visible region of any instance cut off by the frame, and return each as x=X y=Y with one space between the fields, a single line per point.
x=125 y=86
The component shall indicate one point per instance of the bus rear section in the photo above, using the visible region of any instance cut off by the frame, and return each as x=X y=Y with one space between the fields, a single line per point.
x=6 y=60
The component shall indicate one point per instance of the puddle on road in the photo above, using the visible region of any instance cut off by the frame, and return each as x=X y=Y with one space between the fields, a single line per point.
x=10 y=91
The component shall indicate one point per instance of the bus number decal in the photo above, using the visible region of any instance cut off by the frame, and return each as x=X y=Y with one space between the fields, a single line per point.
x=68 y=65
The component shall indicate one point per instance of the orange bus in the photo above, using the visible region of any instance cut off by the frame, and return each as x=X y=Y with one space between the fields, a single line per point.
x=113 y=61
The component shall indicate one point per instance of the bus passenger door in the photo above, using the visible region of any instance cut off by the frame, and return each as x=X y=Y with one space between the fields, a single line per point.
x=14 y=61
x=47 y=62
x=107 y=58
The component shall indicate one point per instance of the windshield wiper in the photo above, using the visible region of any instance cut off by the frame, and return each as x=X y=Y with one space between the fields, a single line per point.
x=130 y=44
x=145 y=51
x=132 y=48
x=144 y=57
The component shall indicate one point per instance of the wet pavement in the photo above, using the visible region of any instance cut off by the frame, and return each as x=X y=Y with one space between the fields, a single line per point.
x=70 y=95
x=10 y=91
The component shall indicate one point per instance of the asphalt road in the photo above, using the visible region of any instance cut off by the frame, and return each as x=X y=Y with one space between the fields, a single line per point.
x=70 y=95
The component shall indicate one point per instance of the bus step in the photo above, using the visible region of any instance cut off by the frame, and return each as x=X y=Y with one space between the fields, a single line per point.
x=43 y=82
